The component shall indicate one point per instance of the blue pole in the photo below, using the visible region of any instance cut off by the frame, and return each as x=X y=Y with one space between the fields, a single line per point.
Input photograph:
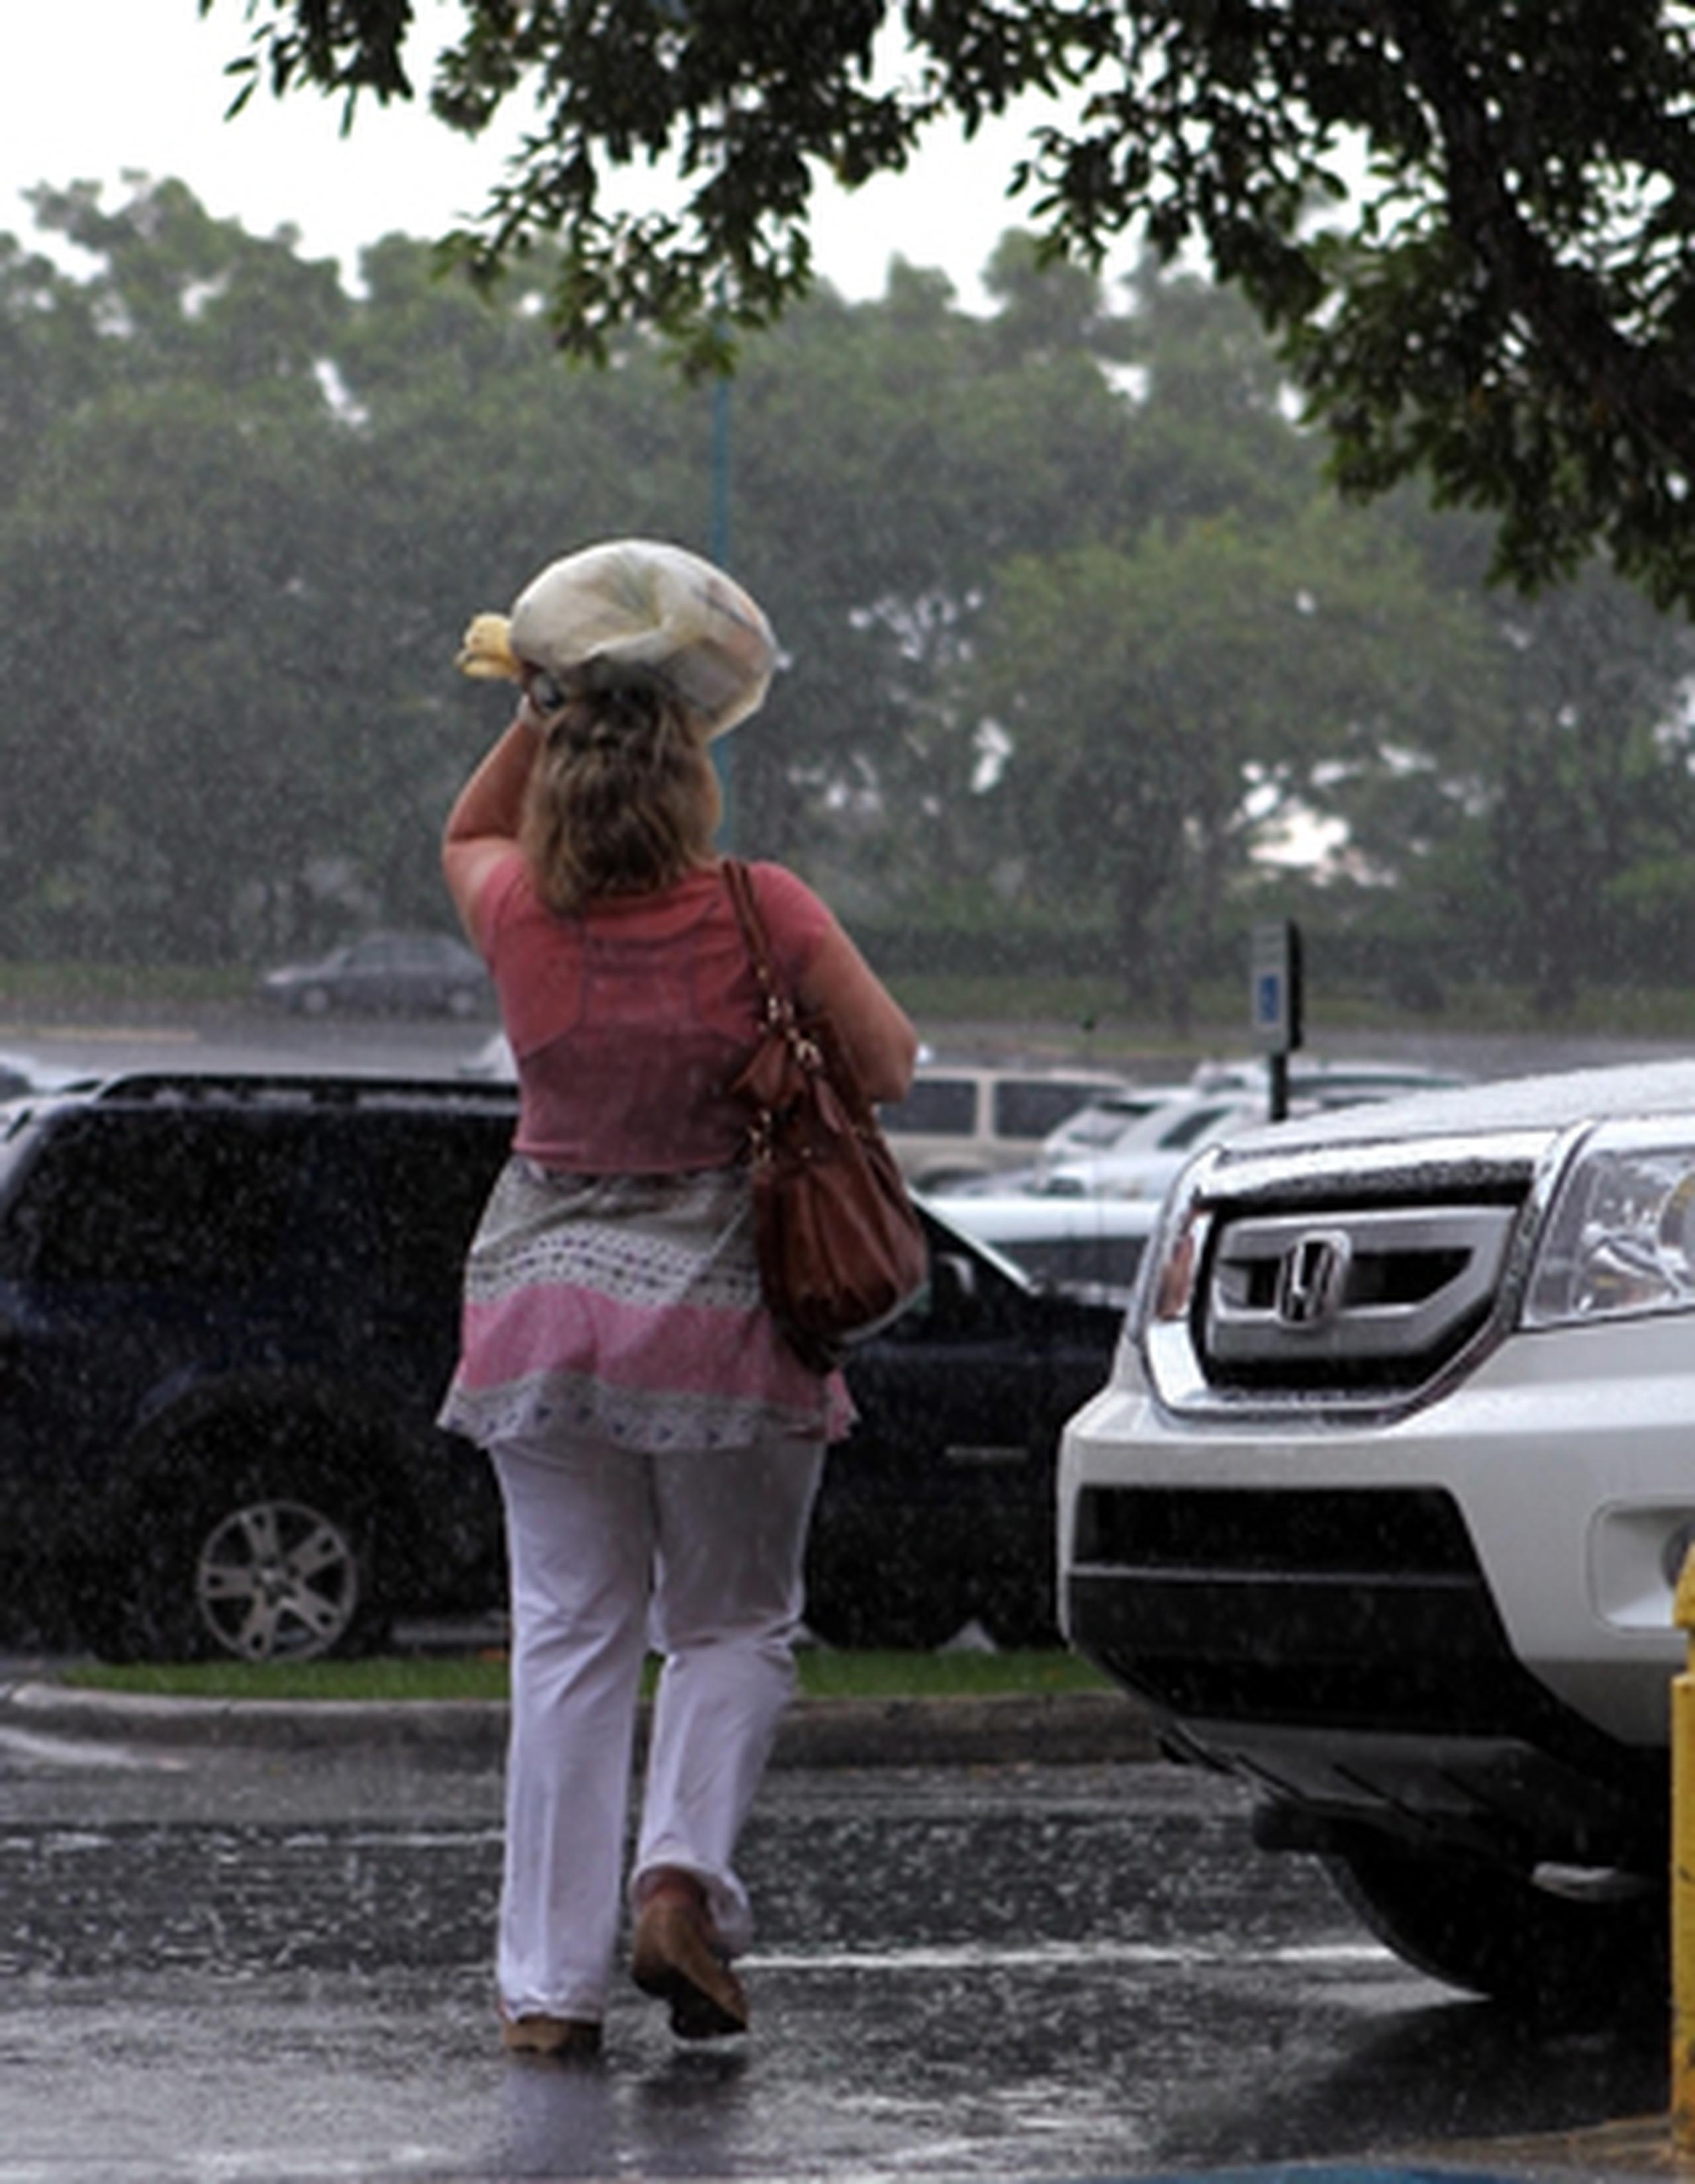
x=718 y=549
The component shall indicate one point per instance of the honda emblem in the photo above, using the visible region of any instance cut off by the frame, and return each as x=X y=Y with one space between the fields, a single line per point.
x=1312 y=1277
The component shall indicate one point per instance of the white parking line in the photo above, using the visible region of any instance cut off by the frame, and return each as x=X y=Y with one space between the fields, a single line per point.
x=71 y=1751
x=973 y=1956
x=108 y=1034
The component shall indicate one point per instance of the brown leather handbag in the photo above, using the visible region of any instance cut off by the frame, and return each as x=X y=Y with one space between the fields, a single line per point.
x=842 y=1250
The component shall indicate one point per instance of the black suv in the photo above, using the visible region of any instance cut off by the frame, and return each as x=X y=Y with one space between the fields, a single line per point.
x=229 y=1308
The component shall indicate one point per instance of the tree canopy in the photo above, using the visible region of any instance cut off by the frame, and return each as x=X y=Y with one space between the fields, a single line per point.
x=1470 y=227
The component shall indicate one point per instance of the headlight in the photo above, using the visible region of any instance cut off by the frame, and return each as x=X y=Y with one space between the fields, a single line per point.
x=1620 y=1237
x=1164 y=1288
x=1170 y=1292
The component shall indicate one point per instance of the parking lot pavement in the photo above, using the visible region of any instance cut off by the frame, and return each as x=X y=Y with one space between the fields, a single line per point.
x=251 y=1967
x=82 y=1728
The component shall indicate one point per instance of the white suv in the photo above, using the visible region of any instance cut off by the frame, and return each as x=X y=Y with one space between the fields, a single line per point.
x=1383 y=1505
x=960 y=1122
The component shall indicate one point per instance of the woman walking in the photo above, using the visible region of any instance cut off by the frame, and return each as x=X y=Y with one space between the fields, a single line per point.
x=657 y=1445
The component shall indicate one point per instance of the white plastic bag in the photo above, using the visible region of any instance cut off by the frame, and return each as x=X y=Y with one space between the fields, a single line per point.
x=634 y=609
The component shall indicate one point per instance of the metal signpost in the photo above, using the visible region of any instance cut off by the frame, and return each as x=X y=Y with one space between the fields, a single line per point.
x=1275 y=1003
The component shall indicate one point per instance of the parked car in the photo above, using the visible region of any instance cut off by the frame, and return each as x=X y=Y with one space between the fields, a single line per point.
x=960 y=1121
x=1088 y=1247
x=1126 y=1149
x=492 y=1059
x=1132 y=1147
x=1326 y=1083
x=395 y=973
x=20 y=1073
x=1383 y=1507
x=229 y=1307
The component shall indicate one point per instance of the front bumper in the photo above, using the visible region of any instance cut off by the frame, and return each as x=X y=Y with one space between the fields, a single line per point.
x=1457 y=1621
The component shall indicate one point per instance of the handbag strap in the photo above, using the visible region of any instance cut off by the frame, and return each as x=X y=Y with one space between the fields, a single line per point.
x=779 y=1010
x=811 y=1040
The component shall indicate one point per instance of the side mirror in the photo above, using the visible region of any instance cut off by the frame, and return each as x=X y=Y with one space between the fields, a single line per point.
x=953 y=1281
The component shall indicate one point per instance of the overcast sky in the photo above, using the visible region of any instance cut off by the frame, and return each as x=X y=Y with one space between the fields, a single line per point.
x=90 y=88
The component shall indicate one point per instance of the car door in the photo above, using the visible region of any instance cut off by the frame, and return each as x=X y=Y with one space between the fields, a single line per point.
x=369 y=975
x=408 y=1188
x=134 y=1263
x=938 y=1509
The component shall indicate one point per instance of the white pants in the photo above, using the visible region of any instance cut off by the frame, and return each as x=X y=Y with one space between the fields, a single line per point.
x=702 y=1550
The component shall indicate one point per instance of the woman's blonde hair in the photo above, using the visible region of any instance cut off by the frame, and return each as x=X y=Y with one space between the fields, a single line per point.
x=623 y=797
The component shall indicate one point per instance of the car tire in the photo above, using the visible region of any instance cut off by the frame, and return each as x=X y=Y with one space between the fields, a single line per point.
x=313 y=1001
x=1493 y=1931
x=271 y=1558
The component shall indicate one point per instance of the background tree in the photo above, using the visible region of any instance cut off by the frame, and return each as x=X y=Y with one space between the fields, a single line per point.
x=1590 y=781
x=1544 y=843
x=1505 y=307
x=888 y=457
x=1168 y=707
x=162 y=560
x=234 y=571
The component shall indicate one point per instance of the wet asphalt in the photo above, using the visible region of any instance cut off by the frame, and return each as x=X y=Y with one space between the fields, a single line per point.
x=226 y=1955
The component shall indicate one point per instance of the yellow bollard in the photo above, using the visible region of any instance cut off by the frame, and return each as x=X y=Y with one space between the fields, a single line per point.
x=1683 y=1874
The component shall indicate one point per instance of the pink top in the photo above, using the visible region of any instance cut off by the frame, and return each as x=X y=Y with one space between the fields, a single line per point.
x=630 y=1020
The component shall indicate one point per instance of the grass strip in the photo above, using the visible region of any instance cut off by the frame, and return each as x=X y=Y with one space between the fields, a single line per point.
x=825 y=1674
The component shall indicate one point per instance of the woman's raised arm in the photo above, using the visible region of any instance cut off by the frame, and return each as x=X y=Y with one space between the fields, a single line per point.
x=483 y=824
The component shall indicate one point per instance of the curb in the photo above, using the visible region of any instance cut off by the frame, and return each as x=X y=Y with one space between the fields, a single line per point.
x=1079 y=1728
x=1629 y=2146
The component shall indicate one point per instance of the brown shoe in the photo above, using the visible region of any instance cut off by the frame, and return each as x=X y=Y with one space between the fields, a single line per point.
x=568 y=2039
x=673 y=1957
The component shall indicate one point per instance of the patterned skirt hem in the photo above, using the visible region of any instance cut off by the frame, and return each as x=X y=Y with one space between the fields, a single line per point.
x=627 y=1309
x=550 y=1404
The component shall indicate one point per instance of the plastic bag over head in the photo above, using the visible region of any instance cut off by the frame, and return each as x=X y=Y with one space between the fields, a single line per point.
x=635 y=610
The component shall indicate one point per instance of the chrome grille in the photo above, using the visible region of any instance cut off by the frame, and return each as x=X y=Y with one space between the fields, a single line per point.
x=1328 y=1278
x=1389 y=1287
